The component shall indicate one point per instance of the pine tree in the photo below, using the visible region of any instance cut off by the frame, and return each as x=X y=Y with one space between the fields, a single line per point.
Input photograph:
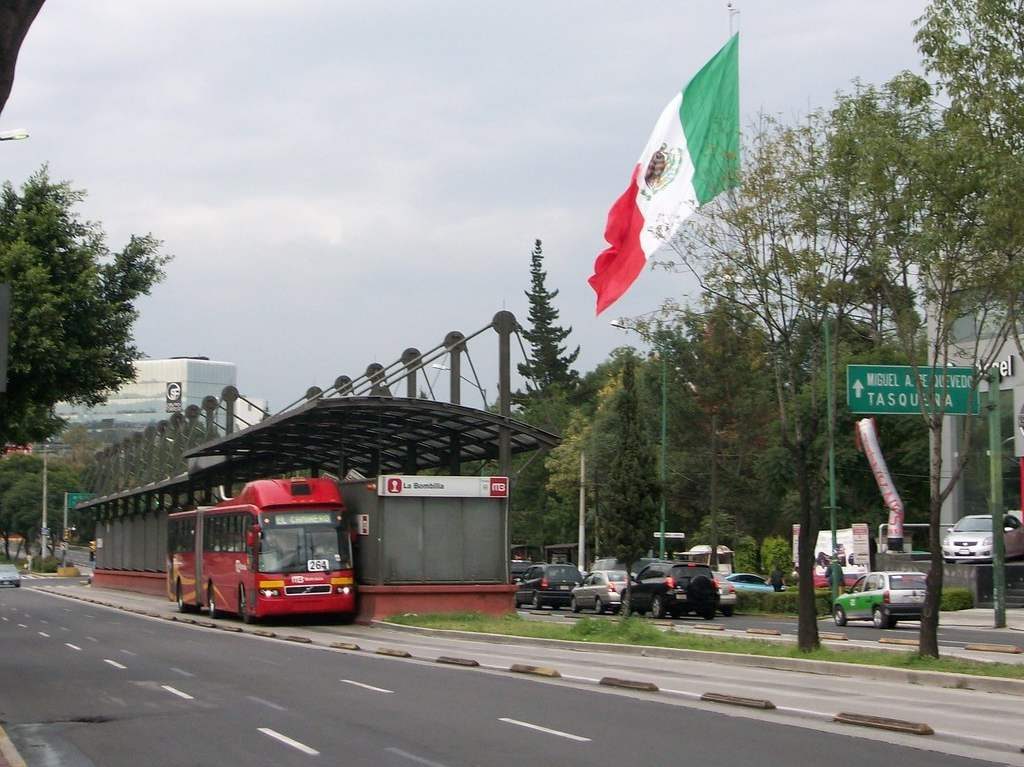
x=548 y=364
x=629 y=492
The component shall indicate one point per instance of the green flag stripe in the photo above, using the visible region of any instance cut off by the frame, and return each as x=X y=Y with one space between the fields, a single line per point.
x=710 y=114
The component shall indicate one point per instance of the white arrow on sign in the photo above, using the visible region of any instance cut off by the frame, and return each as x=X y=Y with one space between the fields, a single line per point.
x=858 y=387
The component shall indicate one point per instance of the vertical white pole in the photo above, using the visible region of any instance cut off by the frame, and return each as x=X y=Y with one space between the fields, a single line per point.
x=582 y=563
x=42 y=532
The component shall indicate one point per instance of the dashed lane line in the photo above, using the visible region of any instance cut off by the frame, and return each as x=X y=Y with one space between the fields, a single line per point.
x=538 y=728
x=43 y=634
x=113 y=663
x=288 y=741
x=73 y=646
x=366 y=686
x=265 y=702
x=413 y=757
x=182 y=672
x=176 y=691
x=22 y=626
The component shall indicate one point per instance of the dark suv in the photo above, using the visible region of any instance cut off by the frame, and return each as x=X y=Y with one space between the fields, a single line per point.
x=548 y=585
x=672 y=588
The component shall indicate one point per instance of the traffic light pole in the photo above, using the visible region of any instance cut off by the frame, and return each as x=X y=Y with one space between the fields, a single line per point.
x=995 y=452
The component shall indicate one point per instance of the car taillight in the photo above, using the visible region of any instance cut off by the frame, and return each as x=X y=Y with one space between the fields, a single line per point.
x=611 y=587
x=670 y=582
x=717 y=584
x=885 y=596
x=543 y=583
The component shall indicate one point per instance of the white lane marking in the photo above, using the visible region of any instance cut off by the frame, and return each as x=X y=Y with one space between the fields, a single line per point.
x=683 y=693
x=64 y=628
x=113 y=663
x=47 y=623
x=22 y=626
x=365 y=686
x=537 y=727
x=92 y=639
x=265 y=702
x=288 y=741
x=179 y=693
x=129 y=652
x=43 y=634
x=6 y=618
x=66 y=609
x=182 y=672
x=72 y=646
x=414 y=758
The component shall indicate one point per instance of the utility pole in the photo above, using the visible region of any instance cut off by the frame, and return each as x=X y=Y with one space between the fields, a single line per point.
x=995 y=475
x=44 y=532
x=664 y=445
x=836 y=569
x=582 y=539
x=713 y=561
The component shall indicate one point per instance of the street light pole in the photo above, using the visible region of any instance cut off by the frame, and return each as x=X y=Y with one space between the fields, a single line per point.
x=664 y=443
x=44 y=532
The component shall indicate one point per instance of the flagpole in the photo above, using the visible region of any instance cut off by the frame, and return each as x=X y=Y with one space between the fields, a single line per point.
x=733 y=13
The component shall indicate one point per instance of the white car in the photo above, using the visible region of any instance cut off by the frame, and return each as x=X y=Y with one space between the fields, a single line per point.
x=970 y=539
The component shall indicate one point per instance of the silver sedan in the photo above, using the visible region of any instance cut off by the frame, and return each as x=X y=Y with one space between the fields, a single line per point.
x=970 y=539
x=601 y=591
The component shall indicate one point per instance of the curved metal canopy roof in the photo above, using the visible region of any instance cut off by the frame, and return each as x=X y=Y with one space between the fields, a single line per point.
x=376 y=434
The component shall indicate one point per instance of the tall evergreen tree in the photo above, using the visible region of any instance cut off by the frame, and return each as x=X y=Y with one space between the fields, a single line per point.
x=629 y=492
x=548 y=364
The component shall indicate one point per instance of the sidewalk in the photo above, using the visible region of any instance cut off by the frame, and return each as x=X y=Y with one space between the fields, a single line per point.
x=982 y=617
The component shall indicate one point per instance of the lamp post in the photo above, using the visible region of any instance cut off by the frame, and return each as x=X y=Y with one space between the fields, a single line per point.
x=622 y=325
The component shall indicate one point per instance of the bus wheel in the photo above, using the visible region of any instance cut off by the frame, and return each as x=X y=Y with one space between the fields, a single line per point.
x=183 y=607
x=211 y=605
x=243 y=607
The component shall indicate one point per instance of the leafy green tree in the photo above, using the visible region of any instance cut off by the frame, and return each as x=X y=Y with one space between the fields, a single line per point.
x=941 y=254
x=630 y=490
x=776 y=552
x=21 y=490
x=549 y=364
x=72 y=305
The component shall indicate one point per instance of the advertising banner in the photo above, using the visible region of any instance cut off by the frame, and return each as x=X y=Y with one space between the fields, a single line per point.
x=852 y=551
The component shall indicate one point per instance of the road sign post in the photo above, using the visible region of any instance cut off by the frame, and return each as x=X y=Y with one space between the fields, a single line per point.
x=894 y=390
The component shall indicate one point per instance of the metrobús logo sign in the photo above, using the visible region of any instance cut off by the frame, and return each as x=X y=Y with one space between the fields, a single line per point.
x=499 y=487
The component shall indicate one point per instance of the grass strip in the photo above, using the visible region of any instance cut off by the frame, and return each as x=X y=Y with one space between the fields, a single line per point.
x=637 y=631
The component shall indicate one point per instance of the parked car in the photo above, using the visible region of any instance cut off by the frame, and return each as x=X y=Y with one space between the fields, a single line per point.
x=517 y=568
x=600 y=591
x=610 y=563
x=727 y=598
x=970 y=539
x=9 y=576
x=676 y=589
x=883 y=598
x=749 y=582
x=547 y=584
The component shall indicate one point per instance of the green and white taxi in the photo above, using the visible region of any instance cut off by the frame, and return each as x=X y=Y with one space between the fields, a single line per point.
x=882 y=598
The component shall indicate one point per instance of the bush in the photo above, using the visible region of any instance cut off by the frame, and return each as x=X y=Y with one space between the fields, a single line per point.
x=956 y=599
x=777 y=552
x=47 y=565
x=780 y=602
x=744 y=559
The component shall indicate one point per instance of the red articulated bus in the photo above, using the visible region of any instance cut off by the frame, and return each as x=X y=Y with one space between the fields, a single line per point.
x=282 y=547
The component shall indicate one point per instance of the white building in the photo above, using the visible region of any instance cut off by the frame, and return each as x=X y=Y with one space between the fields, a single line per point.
x=161 y=387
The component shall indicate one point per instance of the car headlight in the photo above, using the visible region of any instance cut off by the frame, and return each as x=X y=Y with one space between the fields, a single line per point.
x=986 y=541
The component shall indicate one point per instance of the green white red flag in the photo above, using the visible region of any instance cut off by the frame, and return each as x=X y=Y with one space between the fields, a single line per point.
x=692 y=156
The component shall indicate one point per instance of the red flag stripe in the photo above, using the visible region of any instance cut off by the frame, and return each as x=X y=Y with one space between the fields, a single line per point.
x=619 y=265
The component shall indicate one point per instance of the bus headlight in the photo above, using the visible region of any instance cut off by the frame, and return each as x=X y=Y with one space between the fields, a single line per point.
x=270 y=592
x=343 y=590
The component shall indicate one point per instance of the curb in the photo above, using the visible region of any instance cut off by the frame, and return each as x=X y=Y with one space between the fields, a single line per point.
x=884 y=723
x=946 y=679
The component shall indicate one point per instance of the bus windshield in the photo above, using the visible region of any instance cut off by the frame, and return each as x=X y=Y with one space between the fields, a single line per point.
x=304 y=548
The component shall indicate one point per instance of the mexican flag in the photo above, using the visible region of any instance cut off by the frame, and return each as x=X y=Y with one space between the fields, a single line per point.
x=692 y=155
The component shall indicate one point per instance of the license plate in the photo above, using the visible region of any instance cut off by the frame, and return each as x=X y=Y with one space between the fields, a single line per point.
x=318 y=565
x=563 y=588
x=964 y=552
x=915 y=599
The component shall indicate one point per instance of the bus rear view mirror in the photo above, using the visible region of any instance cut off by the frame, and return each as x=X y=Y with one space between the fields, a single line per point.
x=252 y=535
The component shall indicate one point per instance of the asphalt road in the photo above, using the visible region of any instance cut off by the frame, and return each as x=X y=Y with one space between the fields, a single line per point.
x=89 y=686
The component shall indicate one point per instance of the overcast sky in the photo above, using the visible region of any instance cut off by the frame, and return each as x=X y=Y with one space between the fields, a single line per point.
x=338 y=181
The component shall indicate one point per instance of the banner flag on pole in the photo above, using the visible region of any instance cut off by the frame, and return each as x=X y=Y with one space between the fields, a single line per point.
x=692 y=156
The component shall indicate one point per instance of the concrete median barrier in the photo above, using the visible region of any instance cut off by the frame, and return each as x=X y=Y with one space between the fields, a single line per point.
x=629 y=684
x=522 y=668
x=737 y=700
x=884 y=723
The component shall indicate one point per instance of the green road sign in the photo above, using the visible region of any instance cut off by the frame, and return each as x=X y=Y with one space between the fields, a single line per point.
x=76 y=498
x=891 y=389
